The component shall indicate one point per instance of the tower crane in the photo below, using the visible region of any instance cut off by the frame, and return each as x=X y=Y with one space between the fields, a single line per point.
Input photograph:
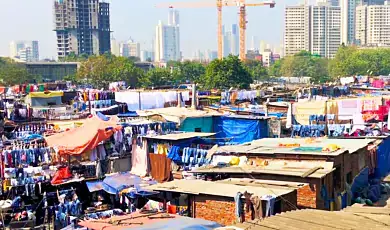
x=241 y=4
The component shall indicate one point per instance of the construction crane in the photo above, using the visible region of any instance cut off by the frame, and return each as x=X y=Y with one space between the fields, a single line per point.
x=219 y=4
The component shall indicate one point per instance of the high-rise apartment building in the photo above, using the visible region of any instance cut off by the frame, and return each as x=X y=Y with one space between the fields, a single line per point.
x=167 y=43
x=325 y=32
x=115 y=47
x=27 y=51
x=297 y=29
x=211 y=55
x=329 y=2
x=227 y=43
x=82 y=27
x=231 y=41
x=173 y=18
x=146 y=56
x=373 y=2
x=372 y=25
x=235 y=47
x=130 y=49
x=348 y=15
x=316 y=29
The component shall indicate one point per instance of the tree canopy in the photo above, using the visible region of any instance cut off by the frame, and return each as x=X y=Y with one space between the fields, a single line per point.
x=350 y=61
x=101 y=70
x=12 y=73
x=226 y=73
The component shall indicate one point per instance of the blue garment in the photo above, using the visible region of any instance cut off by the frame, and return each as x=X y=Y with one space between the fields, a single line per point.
x=270 y=199
x=238 y=201
x=173 y=154
x=16 y=202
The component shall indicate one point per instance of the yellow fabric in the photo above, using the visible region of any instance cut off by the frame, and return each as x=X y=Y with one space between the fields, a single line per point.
x=162 y=149
x=47 y=94
x=331 y=148
x=235 y=161
x=303 y=110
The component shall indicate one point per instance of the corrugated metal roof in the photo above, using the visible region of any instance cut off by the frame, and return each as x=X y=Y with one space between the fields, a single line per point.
x=217 y=189
x=317 y=219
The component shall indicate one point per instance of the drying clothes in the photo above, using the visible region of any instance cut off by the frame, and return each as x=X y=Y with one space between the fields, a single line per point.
x=238 y=201
x=174 y=155
x=248 y=202
x=371 y=104
x=139 y=159
x=94 y=155
x=160 y=167
x=256 y=202
x=61 y=175
x=102 y=152
x=270 y=199
x=347 y=108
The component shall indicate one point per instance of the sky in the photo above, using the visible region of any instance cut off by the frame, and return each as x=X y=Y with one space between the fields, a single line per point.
x=33 y=20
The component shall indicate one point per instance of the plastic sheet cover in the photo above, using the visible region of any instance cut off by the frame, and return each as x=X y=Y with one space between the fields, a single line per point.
x=94 y=186
x=383 y=159
x=116 y=183
x=182 y=223
x=240 y=130
x=360 y=181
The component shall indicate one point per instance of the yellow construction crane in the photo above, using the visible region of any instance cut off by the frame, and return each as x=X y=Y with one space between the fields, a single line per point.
x=219 y=4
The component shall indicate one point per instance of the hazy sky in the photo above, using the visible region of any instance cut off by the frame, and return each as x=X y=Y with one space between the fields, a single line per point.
x=33 y=20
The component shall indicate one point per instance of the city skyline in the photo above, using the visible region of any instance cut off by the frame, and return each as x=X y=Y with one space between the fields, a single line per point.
x=40 y=26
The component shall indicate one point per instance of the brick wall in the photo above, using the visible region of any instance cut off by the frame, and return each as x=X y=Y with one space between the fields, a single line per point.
x=306 y=196
x=218 y=209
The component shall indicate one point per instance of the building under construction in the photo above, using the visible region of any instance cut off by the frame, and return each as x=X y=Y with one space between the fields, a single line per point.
x=82 y=27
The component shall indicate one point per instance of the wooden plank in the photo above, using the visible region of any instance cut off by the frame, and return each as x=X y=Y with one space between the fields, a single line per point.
x=311 y=171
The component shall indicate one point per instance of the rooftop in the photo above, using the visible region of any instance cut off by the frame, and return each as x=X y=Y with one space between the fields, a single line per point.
x=179 y=136
x=218 y=188
x=325 y=220
x=306 y=146
x=298 y=169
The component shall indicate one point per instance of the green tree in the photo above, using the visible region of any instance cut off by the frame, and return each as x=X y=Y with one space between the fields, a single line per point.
x=257 y=70
x=12 y=73
x=134 y=59
x=275 y=69
x=304 y=64
x=157 y=77
x=104 y=69
x=73 y=57
x=226 y=73
x=350 y=60
x=188 y=71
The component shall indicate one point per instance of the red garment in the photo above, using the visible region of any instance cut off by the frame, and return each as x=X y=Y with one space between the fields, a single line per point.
x=376 y=114
x=378 y=84
x=61 y=175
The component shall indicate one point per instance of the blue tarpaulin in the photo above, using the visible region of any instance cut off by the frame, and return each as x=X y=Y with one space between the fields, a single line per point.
x=94 y=186
x=116 y=183
x=128 y=114
x=383 y=159
x=240 y=129
x=181 y=223
x=360 y=182
x=102 y=116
